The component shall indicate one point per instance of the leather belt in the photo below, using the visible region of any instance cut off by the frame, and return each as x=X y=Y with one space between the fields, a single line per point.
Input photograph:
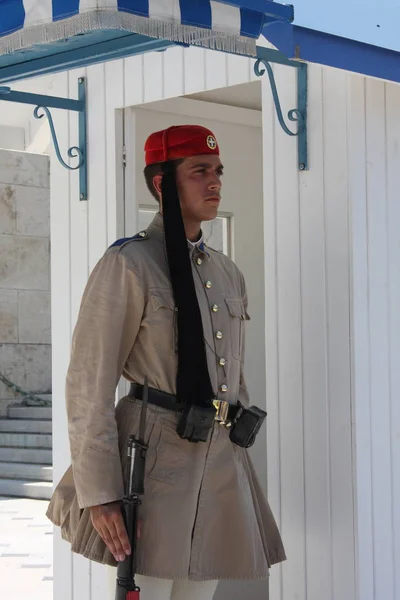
x=224 y=411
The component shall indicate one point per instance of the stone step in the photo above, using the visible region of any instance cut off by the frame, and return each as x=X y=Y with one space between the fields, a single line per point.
x=25 y=440
x=29 y=412
x=40 y=490
x=14 y=470
x=25 y=426
x=27 y=455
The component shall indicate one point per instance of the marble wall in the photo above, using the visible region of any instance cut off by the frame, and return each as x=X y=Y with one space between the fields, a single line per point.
x=25 y=338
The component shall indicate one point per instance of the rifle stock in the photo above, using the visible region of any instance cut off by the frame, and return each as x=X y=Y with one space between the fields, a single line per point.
x=126 y=588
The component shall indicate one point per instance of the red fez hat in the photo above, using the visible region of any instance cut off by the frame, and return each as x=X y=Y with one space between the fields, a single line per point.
x=179 y=141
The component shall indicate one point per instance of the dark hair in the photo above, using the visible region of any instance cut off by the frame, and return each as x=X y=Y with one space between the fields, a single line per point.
x=156 y=169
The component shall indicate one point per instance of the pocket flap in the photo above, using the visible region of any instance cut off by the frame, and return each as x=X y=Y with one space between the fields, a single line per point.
x=162 y=299
x=235 y=307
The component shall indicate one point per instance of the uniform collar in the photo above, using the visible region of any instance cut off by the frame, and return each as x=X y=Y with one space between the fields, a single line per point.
x=156 y=228
x=199 y=242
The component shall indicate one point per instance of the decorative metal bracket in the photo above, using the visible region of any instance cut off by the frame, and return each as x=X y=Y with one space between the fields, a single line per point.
x=299 y=114
x=44 y=103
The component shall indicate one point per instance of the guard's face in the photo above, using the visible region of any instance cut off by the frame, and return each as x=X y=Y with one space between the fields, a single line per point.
x=199 y=184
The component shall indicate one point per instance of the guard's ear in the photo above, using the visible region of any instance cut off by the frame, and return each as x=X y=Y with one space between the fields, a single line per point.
x=157 y=181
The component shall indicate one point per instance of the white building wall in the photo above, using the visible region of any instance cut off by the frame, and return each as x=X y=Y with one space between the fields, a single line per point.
x=331 y=324
x=307 y=264
x=332 y=330
x=374 y=183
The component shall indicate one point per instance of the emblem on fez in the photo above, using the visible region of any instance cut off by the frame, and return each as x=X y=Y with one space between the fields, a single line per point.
x=211 y=143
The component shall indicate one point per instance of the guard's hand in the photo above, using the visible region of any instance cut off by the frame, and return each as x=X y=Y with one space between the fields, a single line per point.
x=108 y=521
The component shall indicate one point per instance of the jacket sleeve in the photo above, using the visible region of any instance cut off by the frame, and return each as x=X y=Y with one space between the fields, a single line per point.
x=243 y=391
x=108 y=322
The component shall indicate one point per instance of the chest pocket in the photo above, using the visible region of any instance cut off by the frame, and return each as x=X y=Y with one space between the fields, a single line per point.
x=238 y=316
x=163 y=320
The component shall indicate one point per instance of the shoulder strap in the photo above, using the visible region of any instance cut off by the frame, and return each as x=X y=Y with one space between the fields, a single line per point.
x=142 y=235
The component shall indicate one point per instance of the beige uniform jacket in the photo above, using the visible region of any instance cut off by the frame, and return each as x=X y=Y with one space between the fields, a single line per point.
x=204 y=515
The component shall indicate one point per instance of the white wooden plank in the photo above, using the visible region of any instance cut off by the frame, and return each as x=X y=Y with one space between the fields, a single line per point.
x=115 y=203
x=314 y=348
x=271 y=328
x=79 y=255
x=99 y=582
x=60 y=325
x=216 y=69
x=63 y=581
x=360 y=334
x=237 y=69
x=81 y=568
x=79 y=215
x=393 y=220
x=114 y=79
x=379 y=349
x=133 y=77
x=194 y=70
x=153 y=76
x=97 y=205
x=129 y=209
x=60 y=278
x=173 y=72
x=290 y=355
x=338 y=334
x=78 y=252
x=131 y=201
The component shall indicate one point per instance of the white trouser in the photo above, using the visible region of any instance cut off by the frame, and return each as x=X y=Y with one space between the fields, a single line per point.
x=153 y=588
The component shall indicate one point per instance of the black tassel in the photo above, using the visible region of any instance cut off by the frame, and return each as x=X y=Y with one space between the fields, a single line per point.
x=193 y=379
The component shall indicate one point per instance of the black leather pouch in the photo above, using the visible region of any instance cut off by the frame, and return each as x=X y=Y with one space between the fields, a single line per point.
x=195 y=423
x=246 y=425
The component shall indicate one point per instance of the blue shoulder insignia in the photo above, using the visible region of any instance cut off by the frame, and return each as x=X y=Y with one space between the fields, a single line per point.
x=143 y=235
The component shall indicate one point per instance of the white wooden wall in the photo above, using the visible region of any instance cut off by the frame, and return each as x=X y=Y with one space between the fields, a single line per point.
x=332 y=281
x=374 y=184
x=332 y=327
x=307 y=263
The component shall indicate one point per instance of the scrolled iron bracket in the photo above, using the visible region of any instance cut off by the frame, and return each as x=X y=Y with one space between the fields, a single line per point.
x=73 y=152
x=43 y=103
x=297 y=115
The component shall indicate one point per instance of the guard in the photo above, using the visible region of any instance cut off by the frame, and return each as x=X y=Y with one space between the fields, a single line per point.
x=166 y=306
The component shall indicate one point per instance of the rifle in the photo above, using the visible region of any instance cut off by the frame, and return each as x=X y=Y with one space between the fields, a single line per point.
x=126 y=587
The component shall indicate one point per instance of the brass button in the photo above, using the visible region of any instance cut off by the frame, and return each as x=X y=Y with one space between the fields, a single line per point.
x=208 y=284
x=224 y=388
x=219 y=335
x=143 y=234
x=222 y=362
x=199 y=261
x=215 y=308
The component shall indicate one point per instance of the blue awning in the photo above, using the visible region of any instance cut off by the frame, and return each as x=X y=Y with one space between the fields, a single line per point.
x=46 y=36
x=228 y=26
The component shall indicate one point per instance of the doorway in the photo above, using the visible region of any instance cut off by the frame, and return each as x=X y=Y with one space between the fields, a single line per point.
x=238 y=230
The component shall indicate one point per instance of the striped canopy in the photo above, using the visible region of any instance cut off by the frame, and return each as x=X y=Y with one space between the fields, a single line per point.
x=221 y=25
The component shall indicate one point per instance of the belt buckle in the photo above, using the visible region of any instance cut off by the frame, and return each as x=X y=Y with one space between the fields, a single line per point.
x=222 y=408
